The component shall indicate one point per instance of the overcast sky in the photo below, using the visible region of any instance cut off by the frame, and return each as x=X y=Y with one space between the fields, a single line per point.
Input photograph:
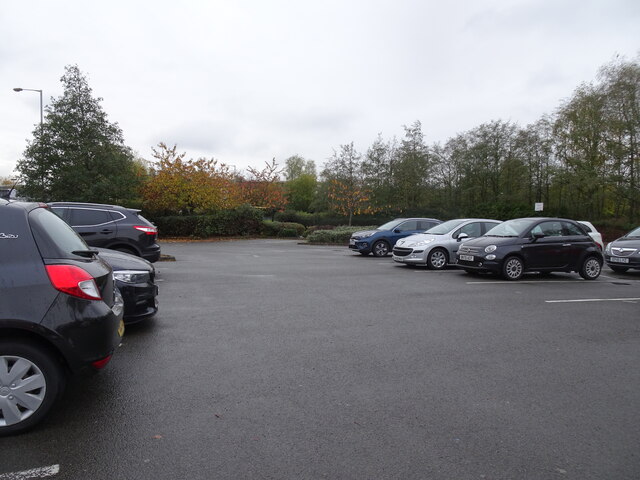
x=244 y=81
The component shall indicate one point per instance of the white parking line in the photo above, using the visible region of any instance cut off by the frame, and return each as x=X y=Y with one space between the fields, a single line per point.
x=41 y=472
x=632 y=300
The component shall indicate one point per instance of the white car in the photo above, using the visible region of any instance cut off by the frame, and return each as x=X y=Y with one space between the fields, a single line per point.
x=436 y=248
x=593 y=233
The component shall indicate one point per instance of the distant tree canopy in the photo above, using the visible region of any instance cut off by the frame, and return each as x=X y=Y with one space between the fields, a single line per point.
x=77 y=154
x=581 y=161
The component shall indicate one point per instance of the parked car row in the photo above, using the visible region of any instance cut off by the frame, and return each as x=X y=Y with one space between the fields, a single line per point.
x=63 y=309
x=509 y=248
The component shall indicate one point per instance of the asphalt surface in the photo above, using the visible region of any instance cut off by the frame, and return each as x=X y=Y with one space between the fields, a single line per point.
x=273 y=360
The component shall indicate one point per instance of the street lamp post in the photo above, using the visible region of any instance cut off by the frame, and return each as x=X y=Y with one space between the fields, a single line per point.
x=18 y=89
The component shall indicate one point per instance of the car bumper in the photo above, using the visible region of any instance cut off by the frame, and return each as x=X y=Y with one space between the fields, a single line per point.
x=626 y=262
x=480 y=264
x=415 y=258
x=359 y=246
x=152 y=253
x=140 y=300
x=86 y=331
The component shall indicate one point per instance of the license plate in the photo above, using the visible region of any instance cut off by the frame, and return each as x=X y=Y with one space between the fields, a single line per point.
x=121 y=328
x=466 y=258
x=619 y=260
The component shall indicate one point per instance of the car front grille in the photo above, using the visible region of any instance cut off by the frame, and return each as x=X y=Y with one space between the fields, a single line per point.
x=402 y=252
x=623 y=252
x=469 y=250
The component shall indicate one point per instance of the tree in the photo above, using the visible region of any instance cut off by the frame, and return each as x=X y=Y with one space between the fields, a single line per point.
x=346 y=189
x=264 y=188
x=411 y=170
x=189 y=186
x=301 y=183
x=296 y=166
x=77 y=154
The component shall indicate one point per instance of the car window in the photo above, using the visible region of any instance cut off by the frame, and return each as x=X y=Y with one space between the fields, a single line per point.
x=548 y=229
x=571 y=229
x=471 y=229
x=82 y=217
x=427 y=225
x=408 y=225
x=54 y=237
x=489 y=225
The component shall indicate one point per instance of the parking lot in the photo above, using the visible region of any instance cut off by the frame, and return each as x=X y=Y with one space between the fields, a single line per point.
x=271 y=359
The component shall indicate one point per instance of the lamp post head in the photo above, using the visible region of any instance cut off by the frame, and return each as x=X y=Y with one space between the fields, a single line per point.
x=17 y=89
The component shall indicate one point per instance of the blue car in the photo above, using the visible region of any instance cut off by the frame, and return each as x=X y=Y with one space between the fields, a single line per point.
x=381 y=240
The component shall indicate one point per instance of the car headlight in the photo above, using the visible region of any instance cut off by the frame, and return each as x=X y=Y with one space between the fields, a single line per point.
x=608 y=249
x=490 y=248
x=131 y=276
x=366 y=235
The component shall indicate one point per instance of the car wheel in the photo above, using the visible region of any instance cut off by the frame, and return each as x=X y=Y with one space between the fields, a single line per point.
x=618 y=269
x=591 y=268
x=512 y=268
x=380 y=248
x=31 y=380
x=437 y=259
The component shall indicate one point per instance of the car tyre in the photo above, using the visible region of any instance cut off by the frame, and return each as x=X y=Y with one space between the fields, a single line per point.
x=591 y=268
x=31 y=380
x=512 y=268
x=618 y=269
x=380 y=248
x=437 y=259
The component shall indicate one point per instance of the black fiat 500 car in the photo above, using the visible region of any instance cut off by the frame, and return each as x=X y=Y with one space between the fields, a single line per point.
x=532 y=245
x=624 y=253
x=59 y=312
x=111 y=226
x=135 y=278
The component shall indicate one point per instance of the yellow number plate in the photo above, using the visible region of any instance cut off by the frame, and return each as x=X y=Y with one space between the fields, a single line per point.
x=121 y=328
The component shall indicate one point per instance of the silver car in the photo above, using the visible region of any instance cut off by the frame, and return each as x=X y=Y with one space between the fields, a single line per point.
x=436 y=248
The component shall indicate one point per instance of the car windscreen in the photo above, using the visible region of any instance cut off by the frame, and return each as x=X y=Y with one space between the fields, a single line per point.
x=54 y=237
x=510 y=228
x=633 y=233
x=444 y=228
x=391 y=225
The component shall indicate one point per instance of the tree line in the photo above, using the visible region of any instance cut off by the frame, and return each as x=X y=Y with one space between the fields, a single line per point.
x=581 y=161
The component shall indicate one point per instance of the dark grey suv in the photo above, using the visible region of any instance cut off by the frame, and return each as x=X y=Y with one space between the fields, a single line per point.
x=59 y=312
x=111 y=226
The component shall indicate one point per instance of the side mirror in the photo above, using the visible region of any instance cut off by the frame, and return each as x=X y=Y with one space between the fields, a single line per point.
x=462 y=236
x=397 y=230
x=537 y=236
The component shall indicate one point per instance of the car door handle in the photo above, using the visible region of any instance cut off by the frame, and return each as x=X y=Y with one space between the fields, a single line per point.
x=106 y=230
x=566 y=244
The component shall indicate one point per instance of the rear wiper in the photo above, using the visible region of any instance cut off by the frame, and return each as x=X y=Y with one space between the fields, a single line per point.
x=85 y=253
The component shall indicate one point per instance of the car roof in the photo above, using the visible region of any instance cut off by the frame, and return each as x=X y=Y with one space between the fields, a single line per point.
x=91 y=205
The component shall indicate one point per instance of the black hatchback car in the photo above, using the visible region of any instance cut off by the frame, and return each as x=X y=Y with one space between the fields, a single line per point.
x=111 y=226
x=532 y=245
x=59 y=312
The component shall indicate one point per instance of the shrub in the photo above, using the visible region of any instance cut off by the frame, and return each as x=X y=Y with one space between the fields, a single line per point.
x=276 y=229
x=240 y=221
x=338 y=235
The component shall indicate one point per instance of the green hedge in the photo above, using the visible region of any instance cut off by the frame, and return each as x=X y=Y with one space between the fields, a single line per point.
x=282 y=229
x=338 y=235
x=241 y=221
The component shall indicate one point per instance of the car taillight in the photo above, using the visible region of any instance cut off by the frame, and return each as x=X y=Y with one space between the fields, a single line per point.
x=145 y=229
x=98 y=364
x=73 y=281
